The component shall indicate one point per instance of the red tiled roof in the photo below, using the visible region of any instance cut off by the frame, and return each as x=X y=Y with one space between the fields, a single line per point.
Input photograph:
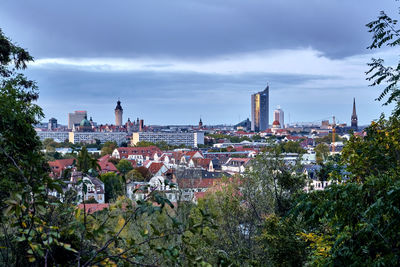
x=105 y=165
x=244 y=133
x=155 y=167
x=145 y=151
x=192 y=153
x=91 y=208
x=197 y=183
x=245 y=160
x=59 y=165
x=204 y=163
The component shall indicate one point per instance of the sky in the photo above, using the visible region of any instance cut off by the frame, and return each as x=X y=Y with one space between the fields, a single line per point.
x=172 y=62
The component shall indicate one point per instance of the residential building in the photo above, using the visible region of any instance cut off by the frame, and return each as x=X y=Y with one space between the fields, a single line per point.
x=59 y=166
x=236 y=165
x=134 y=153
x=52 y=124
x=171 y=138
x=260 y=110
x=58 y=136
x=91 y=137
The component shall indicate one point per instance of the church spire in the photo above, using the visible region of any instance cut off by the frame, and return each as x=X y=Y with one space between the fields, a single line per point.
x=354 y=119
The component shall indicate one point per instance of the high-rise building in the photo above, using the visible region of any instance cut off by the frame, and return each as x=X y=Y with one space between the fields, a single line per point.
x=52 y=124
x=354 y=119
x=76 y=118
x=172 y=138
x=280 y=117
x=118 y=114
x=260 y=110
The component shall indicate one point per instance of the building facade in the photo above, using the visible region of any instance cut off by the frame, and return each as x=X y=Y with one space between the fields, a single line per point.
x=176 y=139
x=76 y=118
x=260 y=110
x=279 y=116
x=58 y=136
x=91 y=137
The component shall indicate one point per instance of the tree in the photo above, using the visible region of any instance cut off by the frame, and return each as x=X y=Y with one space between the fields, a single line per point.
x=24 y=178
x=144 y=172
x=322 y=152
x=144 y=144
x=248 y=212
x=39 y=230
x=135 y=175
x=108 y=148
x=357 y=222
x=376 y=153
x=113 y=186
x=124 y=166
x=86 y=163
x=385 y=33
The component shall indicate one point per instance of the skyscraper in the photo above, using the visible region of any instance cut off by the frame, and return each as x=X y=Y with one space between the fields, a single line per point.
x=260 y=110
x=118 y=114
x=76 y=118
x=279 y=116
x=354 y=119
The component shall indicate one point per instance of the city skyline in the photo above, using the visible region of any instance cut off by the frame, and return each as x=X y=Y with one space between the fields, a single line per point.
x=172 y=63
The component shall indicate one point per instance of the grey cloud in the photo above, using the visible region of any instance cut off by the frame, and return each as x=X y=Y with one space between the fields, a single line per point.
x=193 y=29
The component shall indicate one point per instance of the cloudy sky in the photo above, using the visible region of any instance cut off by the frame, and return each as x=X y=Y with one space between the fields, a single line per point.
x=170 y=62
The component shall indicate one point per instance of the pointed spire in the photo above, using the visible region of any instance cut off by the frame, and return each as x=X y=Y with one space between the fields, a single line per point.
x=354 y=119
x=267 y=88
x=118 y=107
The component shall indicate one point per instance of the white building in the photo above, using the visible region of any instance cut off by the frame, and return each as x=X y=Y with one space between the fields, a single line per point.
x=279 y=116
x=172 y=138
x=141 y=190
x=58 y=136
x=90 y=137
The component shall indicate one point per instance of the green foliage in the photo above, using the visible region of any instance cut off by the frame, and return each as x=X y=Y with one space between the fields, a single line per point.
x=359 y=220
x=244 y=234
x=322 y=152
x=86 y=163
x=38 y=230
x=144 y=172
x=113 y=186
x=385 y=33
x=286 y=147
x=124 y=166
x=327 y=139
x=144 y=144
x=376 y=153
x=135 y=175
x=108 y=148
x=24 y=178
x=280 y=240
x=356 y=222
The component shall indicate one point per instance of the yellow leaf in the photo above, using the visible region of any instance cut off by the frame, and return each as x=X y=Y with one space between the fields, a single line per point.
x=121 y=222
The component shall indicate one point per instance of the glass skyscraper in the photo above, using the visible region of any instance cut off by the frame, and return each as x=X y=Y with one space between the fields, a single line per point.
x=259 y=110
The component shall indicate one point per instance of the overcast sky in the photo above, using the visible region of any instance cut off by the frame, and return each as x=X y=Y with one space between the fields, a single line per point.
x=170 y=62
